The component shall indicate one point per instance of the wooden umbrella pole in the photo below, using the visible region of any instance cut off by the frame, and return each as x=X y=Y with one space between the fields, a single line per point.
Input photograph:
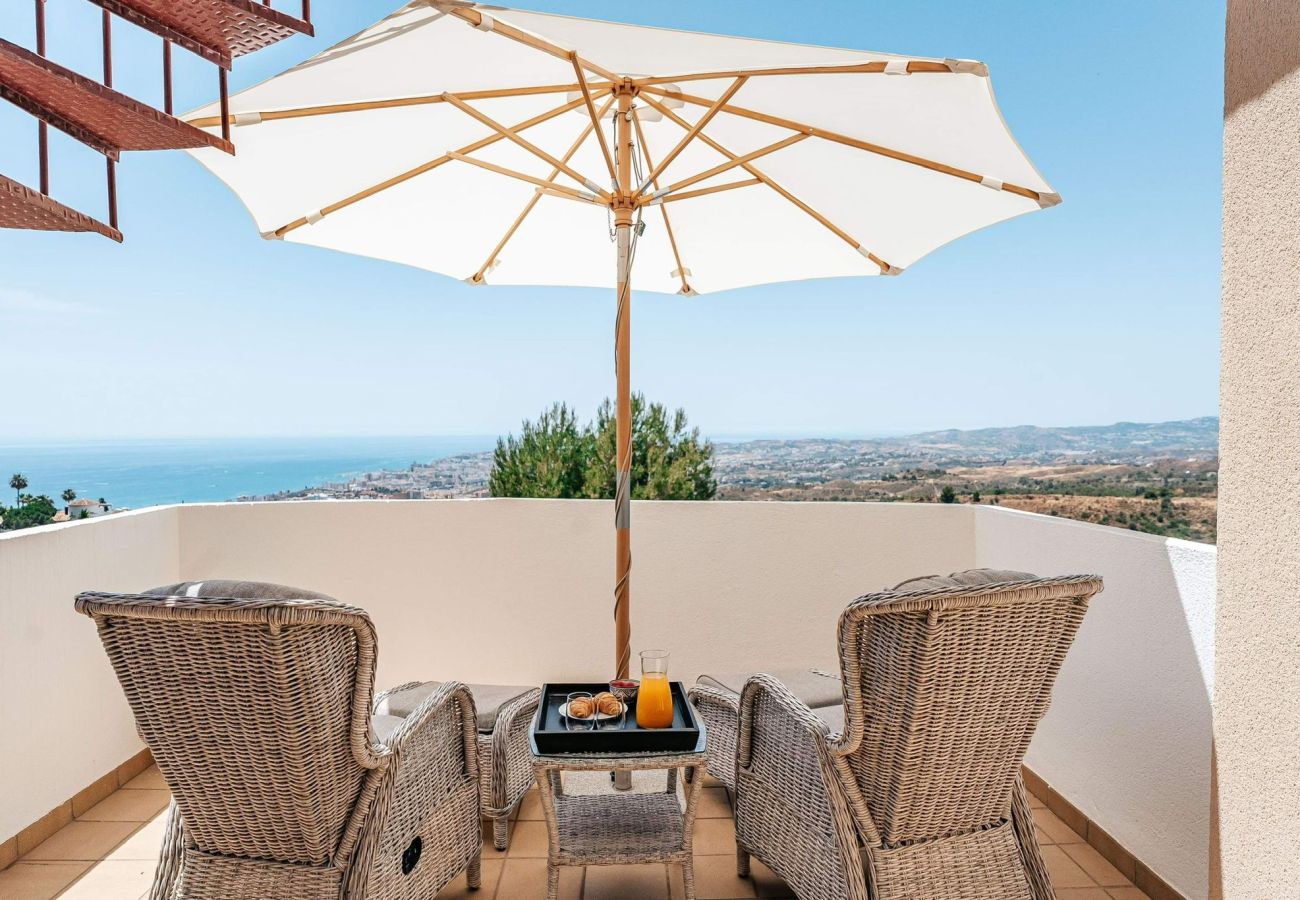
x=623 y=206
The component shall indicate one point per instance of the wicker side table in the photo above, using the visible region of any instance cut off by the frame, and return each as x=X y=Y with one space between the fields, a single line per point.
x=620 y=828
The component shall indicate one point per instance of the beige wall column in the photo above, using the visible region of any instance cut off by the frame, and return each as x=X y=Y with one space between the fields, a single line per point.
x=1257 y=682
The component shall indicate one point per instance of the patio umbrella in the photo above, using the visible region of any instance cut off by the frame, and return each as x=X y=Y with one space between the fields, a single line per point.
x=510 y=147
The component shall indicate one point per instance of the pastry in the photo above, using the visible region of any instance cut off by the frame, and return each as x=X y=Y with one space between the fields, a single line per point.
x=608 y=704
x=582 y=707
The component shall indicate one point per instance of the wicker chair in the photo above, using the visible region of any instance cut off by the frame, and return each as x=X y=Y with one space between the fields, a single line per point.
x=505 y=760
x=255 y=701
x=717 y=699
x=912 y=788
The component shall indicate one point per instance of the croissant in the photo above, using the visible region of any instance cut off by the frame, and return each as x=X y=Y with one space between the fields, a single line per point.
x=582 y=707
x=609 y=705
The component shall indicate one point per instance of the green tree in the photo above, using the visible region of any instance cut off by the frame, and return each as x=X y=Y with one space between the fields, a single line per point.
x=69 y=495
x=549 y=458
x=669 y=460
x=947 y=495
x=32 y=512
x=18 y=483
x=557 y=457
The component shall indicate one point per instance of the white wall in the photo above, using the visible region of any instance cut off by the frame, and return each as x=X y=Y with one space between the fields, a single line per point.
x=520 y=591
x=63 y=719
x=1127 y=739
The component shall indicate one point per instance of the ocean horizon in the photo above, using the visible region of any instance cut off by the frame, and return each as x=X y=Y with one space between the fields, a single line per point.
x=137 y=473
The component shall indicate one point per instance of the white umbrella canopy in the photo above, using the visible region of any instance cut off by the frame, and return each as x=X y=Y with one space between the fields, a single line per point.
x=510 y=147
x=894 y=166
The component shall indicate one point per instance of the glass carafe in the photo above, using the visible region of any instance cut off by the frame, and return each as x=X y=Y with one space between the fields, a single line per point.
x=654 y=699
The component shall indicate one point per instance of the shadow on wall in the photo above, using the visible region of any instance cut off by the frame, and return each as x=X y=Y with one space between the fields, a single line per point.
x=1263 y=47
x=1128 y=736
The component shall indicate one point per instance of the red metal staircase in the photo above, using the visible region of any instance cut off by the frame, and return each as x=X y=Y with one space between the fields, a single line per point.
x=109 y=121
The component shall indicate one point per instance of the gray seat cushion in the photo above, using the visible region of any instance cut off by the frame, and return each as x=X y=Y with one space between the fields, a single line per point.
x=237 y=590
x=813 y=686
x=488 y=700
x=384 y=726
x=968 y=578
x=833 y=716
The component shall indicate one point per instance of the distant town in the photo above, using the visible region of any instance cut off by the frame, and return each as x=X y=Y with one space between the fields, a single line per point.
x=1159 y=478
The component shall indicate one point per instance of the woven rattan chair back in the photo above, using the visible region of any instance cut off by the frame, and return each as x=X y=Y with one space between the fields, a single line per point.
x=943 y=691
x=256 y=711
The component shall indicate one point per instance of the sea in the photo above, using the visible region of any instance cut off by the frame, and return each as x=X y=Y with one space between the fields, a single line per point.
x=138 y=473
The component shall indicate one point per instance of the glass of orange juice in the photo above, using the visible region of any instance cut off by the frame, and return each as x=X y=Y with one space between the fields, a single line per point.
x=654 y=699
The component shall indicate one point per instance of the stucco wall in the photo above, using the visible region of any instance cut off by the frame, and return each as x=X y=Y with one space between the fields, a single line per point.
x=1127 y=739
x=1257 y=693
x=519 y=591
x=63 y=719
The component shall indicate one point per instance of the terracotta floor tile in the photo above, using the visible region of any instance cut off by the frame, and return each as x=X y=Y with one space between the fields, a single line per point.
x=709 y=780
x=530 y=809
x=648 y=881
x=529 y=839
x=716 y=879
x=113 y=879
x=459 y=889
x=525 y=879
x=129 y=806
x=715 y=837
x=1097 y=866
x=1092 y=893
x=38 y=880
x=1127 y=893
x=1064 y=871
x=1056 y=830
x=766 y=881
x=150 y=779
x=88 y=841
x=144 y=844
x=713 y=804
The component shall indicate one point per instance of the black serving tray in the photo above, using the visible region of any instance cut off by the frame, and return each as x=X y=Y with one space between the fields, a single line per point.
x=549 y=735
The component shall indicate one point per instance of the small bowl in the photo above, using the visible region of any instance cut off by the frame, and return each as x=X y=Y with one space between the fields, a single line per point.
x=624 y=689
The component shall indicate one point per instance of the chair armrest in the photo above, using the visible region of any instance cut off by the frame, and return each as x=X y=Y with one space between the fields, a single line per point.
x=791 y=810
x=786 y=707
x=426 y=786
x=427 y=713
x=511 y=756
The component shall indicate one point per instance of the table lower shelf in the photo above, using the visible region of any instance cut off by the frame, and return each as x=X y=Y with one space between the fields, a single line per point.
x=609 y=829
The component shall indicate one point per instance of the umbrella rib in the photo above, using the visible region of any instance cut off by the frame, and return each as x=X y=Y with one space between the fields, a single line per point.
x=595 y=117
x=478 y=276
x=418 y=170
x=489 y=23
x=835 y=137
x=843 y=235
x=878 y=67
x=668 y=225
x=660 y=195
x=273 y=115
x=704 y=192
x=532 y=148
x=547 y=187
x=713 y=109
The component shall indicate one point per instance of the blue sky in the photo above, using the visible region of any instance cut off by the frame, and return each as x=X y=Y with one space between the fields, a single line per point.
x=1105 y=308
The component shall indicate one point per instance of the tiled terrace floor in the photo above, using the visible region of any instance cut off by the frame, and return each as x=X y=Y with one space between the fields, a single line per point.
x=108 y=853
